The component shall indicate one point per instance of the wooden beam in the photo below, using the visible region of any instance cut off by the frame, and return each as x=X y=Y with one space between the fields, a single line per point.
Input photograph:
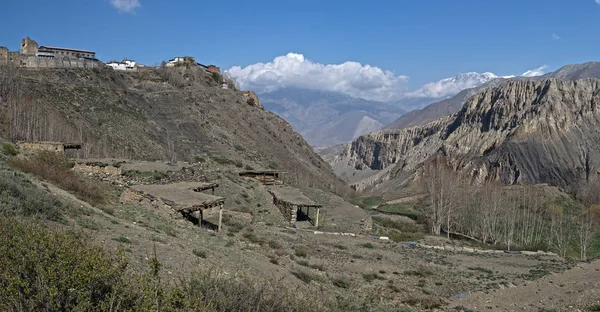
x=317 y=220
x=220 y=216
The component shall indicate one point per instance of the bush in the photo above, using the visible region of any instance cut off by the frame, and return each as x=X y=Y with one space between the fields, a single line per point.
x=54 y=271
x=341 y=283
x=199 y=253
x=368 y=245
x=19 y=197
x=9 y=149
x=275 y=244
x=301 y=251
x=216 y=76
x=55 y=168
x=303 y=276
x=42 y=270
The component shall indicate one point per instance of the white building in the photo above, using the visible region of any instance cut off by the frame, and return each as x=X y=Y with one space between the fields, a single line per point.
x=123 y=65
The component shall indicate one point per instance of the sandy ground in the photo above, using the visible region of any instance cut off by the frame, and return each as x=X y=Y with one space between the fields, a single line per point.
x=572 y=290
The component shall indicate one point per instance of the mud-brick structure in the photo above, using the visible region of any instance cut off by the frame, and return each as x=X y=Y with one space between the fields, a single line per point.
x=186 y=198
x=48 y=146
x=266 y=177
x=294 y=205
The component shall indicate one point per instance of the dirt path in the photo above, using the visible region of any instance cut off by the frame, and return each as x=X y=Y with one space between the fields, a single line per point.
x=571 y=290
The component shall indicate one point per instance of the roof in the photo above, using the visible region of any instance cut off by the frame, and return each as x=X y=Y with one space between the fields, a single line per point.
x=65 y=49
x=260 y=172
x=292 y=196
x=181 y=195
x=205 y=186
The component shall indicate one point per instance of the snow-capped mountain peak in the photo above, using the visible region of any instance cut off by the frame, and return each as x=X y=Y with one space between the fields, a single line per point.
x=452 y=85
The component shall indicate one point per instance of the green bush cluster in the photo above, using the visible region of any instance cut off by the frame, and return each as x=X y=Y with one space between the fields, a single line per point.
x=19 y=197
x=42 y=270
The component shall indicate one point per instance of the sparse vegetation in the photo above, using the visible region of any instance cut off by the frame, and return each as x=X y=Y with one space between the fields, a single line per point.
x=122 y=239
x=275 y=244
x=10 y=149
x=55 y=167
x=301 y=251
x=199 y=253
x=19 y=197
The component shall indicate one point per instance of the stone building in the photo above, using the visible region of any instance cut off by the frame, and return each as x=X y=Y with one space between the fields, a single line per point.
x=29 y=47
x=3 y=53
x=62 y=53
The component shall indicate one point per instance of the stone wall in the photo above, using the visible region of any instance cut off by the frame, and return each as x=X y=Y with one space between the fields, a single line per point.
x=39 y=62
x=29 y=47
x=42 y=146
x=289 y=211
x=97 y=169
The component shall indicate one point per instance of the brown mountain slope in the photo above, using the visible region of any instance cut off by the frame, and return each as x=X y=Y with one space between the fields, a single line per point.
x=520 y=132
x=176 y=114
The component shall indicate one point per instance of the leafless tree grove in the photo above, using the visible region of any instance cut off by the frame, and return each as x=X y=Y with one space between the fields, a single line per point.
x=509 y=216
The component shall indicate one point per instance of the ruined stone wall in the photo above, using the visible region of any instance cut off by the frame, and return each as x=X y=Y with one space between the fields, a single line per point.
x=29 y=47
x=42 y=146
x=98 y=169
x=3 y=54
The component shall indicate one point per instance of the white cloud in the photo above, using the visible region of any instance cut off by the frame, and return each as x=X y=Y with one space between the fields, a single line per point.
x=125 y=5
x=537 y=71
x=557 y=37
x=598 y=1
x=294 y=70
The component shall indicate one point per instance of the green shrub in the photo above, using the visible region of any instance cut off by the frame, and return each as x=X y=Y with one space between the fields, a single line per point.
x=341 y=283
x=199 y=253
x=301 y=251
x=55 y=271
x=340 y=247
x=19 y=197
x=10 y=149
x=42 y=270
x=122 y=239
x=275 y=244
x=369 y=277
x=368 y=245
x=216 y=76
x=303 y=276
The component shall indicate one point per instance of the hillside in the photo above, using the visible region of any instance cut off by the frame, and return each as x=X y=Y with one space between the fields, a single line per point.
x=522 y=132
x=176 y=114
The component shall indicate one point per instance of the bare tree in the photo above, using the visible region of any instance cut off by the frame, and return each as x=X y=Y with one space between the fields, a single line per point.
x=443 y=187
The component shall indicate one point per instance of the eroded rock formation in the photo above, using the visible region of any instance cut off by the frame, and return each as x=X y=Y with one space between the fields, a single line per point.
x=520 y=132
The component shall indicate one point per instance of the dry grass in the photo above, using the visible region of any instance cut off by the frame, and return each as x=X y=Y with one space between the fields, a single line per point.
x=56 y=168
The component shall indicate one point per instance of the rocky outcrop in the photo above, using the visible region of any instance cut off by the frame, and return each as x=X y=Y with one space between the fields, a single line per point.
x=251 y=99
x=520 y=132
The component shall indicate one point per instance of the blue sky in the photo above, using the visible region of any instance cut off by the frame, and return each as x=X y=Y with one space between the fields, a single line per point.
x=424 y=40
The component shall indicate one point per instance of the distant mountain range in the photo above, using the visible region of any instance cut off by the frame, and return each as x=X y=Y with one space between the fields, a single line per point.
x=327 y=118
x=453 y=104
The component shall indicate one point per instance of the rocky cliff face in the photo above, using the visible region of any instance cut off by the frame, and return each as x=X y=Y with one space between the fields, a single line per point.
x=520 y=132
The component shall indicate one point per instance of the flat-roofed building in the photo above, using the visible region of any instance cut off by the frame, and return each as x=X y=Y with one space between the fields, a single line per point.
x=58 y=52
